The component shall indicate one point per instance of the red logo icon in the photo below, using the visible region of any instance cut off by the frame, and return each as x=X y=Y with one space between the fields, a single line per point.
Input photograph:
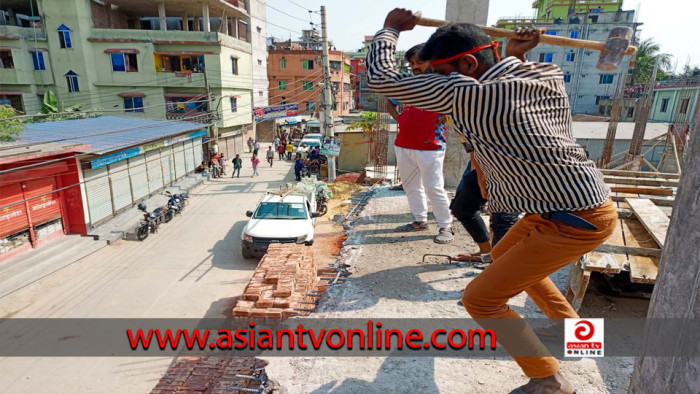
x=584 y=330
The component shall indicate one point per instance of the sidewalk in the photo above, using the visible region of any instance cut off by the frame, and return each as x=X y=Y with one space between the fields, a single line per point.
x=388 y=281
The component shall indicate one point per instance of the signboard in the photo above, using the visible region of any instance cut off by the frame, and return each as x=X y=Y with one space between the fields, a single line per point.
x=172 y=141
x=331 y=146
x=114 y=157
x=276 y=111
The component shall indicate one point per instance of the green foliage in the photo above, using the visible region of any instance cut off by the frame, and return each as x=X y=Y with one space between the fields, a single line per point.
x=367 y=122
x=9 y=128
x=50 y=104
x=648 y=53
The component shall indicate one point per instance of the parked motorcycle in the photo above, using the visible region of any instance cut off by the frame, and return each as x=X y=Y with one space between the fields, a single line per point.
x=321 y=202
x=149 y=223
x=178 y=200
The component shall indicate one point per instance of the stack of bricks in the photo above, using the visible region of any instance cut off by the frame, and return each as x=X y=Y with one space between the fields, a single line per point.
x=212 y=375
x=281 y=284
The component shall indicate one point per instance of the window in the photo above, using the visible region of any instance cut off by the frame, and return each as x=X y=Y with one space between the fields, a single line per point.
x=282 y=85
x=606 y=79
x=259 y=62
x=260 y=93
x=124 y=62
x=574 y=34
x=307 y=85
x=570 y=57
x=178 y=63
x=335 y=106
x=551 y=32
x=567 y=78
x=283 y=63
x=185 y=105
x=38 y=59
x=683 y=107
x=72 y=81
x=594 y=19
x=630 y=112
x=133 y=104
x=546 y=57
x=6 y=59
x=234 y=104
x=64 y=37
x=664 y=104
x=13 y=100
x=307 y=64
x=335 y=65
x=234 y=65
x=259 y=29
x=311 y=106
x=598 y=98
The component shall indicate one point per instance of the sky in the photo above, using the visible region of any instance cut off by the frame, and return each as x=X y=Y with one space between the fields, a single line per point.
x=668 y=22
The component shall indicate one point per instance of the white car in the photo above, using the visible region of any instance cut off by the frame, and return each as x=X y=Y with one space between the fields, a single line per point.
x=278 y=219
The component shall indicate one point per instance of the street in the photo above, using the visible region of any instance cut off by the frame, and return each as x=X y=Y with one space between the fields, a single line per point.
x=191 y=268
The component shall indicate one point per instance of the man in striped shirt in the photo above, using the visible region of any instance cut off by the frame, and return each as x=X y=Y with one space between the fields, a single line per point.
x=516 y=115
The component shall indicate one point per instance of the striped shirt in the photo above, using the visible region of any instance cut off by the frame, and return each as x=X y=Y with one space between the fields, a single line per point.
x=516 y=117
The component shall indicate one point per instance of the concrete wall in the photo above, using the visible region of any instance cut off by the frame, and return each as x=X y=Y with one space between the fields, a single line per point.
x=354 y=149
x=260 y=80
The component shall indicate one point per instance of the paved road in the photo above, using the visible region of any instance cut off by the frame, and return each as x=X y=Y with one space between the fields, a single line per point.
x=191 y=268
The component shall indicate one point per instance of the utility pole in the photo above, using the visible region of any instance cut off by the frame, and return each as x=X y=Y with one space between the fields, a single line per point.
x=327 y=102
x=633 y=158
x=614 y=118
x=213 y=132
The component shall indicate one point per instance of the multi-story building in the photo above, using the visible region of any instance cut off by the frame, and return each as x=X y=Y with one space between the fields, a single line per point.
x=675 y=100
x=142 y=58
x=295 y=77
x=365 y=98
x=584 y=19
x=259 y=41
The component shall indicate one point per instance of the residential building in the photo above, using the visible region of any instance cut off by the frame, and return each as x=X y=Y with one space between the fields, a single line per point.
x=584 y=19
x=258 y=39
x=365 y=98
x=675 y=100
x=141 y=58
x=295 y=77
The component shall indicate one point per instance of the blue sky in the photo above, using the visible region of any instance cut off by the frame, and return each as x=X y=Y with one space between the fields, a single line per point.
x=669 y=22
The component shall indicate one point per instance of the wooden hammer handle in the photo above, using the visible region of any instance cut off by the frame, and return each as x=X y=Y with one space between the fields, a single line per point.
x=544 y=38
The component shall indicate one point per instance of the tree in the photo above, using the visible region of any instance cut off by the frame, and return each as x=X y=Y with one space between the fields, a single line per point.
x=648 y=52
x=367 y=122
x=9 y=128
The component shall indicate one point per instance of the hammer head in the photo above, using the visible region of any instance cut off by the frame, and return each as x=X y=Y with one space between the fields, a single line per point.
x=615 y=47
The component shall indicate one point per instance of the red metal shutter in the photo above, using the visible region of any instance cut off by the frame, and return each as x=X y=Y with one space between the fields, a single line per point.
x=13 y=219
x=47 y=207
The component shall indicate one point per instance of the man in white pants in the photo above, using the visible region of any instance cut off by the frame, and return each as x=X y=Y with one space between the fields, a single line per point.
x=420 y=153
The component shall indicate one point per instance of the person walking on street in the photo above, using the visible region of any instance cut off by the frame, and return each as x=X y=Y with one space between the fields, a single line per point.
x=420 y=153
x=255 y=162
x=290 y=149
x=298 y=166
x=222 y=164
x=250 y=144
x=237 y=164
x=256 y=147
x=215 y=166
x=280 y=150
x=270 y=155
x=277 y=143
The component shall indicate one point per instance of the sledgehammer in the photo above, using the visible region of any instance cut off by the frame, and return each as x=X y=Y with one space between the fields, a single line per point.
x=612 y=50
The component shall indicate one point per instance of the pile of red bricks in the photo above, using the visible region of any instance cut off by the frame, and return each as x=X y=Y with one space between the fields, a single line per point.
x=285 y=283
x=212 y=375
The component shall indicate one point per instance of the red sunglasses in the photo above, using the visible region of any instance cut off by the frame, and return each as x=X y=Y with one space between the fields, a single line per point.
x=493 y=44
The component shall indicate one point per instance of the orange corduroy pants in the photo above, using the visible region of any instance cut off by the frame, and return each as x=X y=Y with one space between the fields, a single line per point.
x=522 y=261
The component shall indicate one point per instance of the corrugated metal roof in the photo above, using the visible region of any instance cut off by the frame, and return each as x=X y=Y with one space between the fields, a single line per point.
x=115 y=132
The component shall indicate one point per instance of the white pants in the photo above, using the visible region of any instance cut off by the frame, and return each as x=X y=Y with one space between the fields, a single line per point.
x=421 y=175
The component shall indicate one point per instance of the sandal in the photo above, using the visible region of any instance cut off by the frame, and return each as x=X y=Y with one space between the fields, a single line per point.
x=446 y=235
x=415 y=226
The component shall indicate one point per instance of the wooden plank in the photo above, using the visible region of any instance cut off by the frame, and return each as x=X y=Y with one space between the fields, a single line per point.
x=605 y=262
x=629 y=250
x=642 y=190
x=651 y=217
x=643 y=269
x=660 y=201
x=640 y=174
x=619 y=180
x=578 y=283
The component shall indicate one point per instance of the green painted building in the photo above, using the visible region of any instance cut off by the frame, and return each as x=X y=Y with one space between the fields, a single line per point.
x=140 y=58
x=675 y=100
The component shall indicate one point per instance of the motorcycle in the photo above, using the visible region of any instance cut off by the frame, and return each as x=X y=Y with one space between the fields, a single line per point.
x=149 y=223
x=321 y=202
x=179 y=200
x=174 y=207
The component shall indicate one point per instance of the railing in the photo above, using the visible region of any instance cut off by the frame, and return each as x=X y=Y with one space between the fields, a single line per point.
x=685 y=81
